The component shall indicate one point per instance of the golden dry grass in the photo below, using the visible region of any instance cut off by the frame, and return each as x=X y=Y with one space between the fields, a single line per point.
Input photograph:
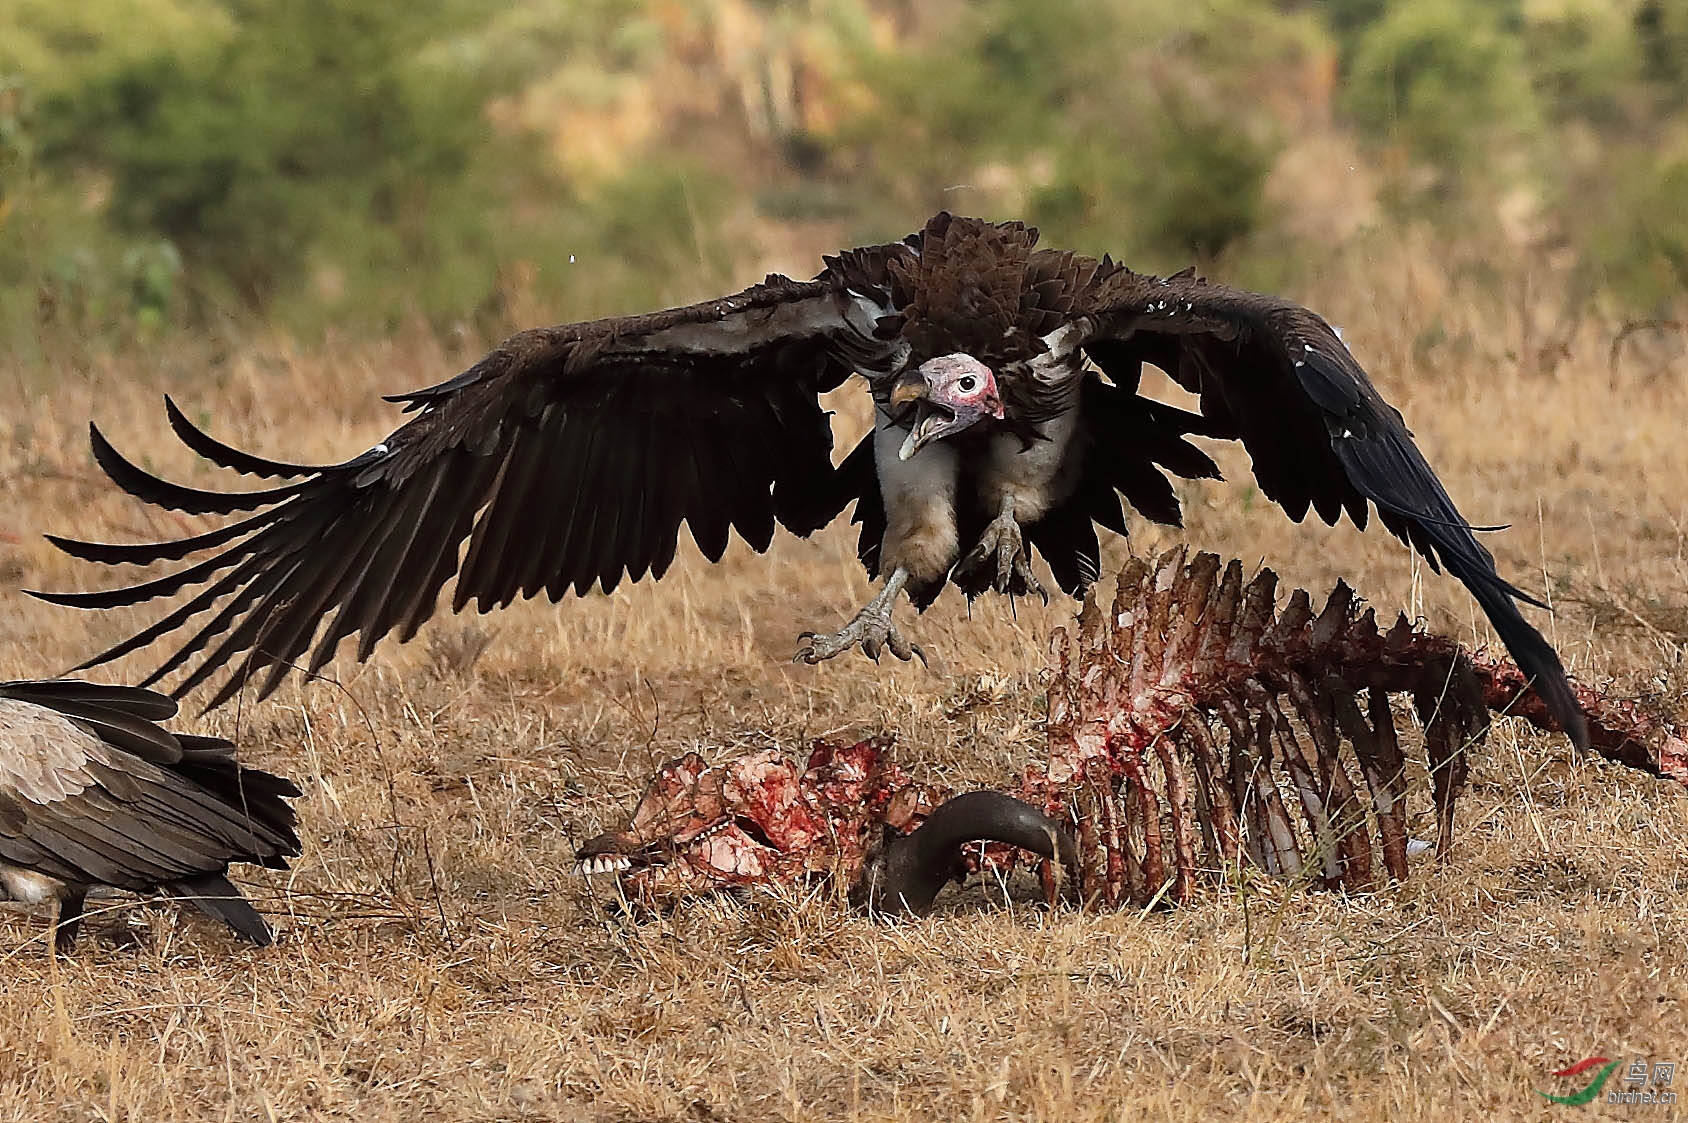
x=439 y=961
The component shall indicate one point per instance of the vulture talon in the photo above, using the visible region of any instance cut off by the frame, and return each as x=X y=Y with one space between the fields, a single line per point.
x=872 y=631
x=905 y=650
x=1005 y=541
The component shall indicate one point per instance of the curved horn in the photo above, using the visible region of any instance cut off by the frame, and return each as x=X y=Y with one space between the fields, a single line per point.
x=912 y=868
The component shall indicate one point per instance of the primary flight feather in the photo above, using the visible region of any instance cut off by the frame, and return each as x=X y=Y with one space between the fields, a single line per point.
x=1004 y=378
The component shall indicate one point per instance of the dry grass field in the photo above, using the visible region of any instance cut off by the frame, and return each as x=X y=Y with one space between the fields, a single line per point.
x=439 y=960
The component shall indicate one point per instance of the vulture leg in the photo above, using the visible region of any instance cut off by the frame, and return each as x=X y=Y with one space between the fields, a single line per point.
x=871 y=630
x=1004 y=541
x=67 y=920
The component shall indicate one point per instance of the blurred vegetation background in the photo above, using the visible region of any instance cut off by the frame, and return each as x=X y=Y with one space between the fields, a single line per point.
x=176 y=166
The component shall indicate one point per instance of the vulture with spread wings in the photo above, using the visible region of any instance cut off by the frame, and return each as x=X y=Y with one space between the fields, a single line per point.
x=1007 y=418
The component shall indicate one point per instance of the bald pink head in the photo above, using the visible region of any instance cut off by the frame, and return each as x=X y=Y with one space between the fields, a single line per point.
x=959 y=392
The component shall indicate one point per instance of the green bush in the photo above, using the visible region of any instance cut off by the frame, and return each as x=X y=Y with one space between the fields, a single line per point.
x=1638 y=243
x=1443 y=79
x=1202 y=187
x=1138 y=136
x=310 y=115
x=1583 y=59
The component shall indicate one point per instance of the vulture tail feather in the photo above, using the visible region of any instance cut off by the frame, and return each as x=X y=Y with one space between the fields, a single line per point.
x=171 y=583
x=145 y=486
x=179 y=616
x=216 y=897
x=259 y=588
x=51 y=693
x=146 y=553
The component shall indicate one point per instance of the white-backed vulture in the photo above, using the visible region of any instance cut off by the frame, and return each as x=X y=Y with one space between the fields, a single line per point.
x=93 y=791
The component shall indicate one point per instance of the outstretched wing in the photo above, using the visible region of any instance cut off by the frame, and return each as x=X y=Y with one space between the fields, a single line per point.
x=1278 y=378
x=566 y=456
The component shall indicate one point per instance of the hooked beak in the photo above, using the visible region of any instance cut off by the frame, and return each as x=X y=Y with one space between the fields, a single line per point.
x=933 y=422
x=947 y=398
x=911 y=390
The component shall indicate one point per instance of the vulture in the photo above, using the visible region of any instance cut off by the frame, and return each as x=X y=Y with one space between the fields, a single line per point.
x=93 y=791
x=1007 y=419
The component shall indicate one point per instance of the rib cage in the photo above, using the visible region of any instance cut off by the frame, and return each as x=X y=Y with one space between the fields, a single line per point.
x=1197 y=725
x=1173 y=748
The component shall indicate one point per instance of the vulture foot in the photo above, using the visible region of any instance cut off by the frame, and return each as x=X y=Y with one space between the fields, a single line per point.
x=1005 y=543
x=872 y=630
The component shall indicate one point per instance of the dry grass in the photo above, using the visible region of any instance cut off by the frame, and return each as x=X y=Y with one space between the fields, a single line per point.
x=440 y=962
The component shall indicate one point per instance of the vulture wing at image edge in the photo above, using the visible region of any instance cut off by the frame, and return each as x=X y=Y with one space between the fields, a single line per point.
x=1278 y=378
x=94 y=792
x=570 y=456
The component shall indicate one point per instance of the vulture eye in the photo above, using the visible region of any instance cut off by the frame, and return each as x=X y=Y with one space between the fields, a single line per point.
x=966 y=384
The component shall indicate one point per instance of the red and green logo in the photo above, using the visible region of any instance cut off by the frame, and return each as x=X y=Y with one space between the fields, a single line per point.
x=1592 y=1089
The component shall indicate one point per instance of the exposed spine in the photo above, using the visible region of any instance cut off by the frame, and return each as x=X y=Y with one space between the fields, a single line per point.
x=1188 y=720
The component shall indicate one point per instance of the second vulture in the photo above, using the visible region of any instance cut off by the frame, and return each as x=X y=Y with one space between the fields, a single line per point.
x=94 y=792
x=1007 y=419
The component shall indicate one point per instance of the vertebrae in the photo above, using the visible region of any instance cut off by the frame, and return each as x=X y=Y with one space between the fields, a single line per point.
x=1185 y=722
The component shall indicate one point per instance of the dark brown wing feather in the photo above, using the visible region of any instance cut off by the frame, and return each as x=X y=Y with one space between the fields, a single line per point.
x=124 y=716
x=1277 y=377
x=567 y=457
x=136 y=823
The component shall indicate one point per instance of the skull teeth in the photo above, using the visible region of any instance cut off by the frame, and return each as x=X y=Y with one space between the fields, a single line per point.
x=602 y=864
x=711 y=831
